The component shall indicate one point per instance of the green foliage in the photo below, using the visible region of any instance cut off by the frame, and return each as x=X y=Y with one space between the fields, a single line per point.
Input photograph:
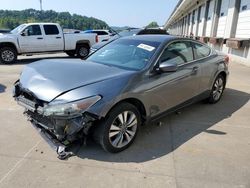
x=10 y=19
x=152 y=25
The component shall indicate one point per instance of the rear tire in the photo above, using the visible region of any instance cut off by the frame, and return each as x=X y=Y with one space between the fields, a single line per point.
x=82 y=51
x=8 y=55
x=217 y=90
x=119 y=128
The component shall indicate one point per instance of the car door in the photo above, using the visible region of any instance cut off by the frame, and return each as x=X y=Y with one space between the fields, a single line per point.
x=174 y=88
x=31 y=39
x=53 y=38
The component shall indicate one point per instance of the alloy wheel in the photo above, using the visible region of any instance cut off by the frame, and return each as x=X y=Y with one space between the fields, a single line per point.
x=123 y=129
x=83 y=52
x=218 y=88
x=8 y=56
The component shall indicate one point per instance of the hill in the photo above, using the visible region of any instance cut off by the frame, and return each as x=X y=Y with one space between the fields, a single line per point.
x=9 y=19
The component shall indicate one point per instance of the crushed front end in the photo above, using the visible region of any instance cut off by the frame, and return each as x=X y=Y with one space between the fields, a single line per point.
x=59 y=124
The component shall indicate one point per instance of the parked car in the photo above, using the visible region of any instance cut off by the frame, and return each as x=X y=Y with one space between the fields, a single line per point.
x=126 y=33
x=4 y=31
x=103 y=35
x=41 y=38
x=124 y=85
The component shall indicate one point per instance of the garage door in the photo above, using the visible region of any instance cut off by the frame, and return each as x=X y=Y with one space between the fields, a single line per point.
x=187 y=24
x=243 y=26
x=190 y=24
x=222 y=18
x=209 y=18
x=195 y=22
x=201 y=21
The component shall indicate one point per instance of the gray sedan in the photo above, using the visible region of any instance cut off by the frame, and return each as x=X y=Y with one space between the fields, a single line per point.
x=124 y=85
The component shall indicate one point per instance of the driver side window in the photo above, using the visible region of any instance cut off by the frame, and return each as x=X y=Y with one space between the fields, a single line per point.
x=33 y=30
x=177 y=52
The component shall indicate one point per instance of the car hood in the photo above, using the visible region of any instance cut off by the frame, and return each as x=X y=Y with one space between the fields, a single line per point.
x=48 y=79
x=7 y=35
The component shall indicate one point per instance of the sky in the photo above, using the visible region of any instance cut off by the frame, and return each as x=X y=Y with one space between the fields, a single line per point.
x=137 y=13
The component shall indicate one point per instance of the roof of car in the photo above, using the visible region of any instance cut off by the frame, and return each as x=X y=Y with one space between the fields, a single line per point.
x=152 y=38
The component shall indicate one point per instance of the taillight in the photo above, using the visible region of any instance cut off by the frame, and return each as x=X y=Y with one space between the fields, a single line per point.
x=96 y=38
x=226 y=59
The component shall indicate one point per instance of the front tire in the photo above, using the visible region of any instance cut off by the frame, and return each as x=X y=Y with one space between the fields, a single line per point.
x=8 y=55
x=119 y=128
x=217 y=90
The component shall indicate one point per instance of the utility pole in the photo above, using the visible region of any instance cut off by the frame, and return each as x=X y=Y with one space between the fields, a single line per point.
x=41 y=5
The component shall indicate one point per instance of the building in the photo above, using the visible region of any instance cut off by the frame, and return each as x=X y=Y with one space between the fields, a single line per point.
x=223 y=24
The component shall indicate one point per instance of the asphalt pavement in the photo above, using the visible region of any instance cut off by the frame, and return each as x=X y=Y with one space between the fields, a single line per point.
x=201 y=146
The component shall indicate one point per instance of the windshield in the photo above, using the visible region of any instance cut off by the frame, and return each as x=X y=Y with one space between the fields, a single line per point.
x=18 y=29
x=126 y=53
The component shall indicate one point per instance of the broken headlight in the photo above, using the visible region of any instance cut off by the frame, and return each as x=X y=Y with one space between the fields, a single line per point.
x=72 y=108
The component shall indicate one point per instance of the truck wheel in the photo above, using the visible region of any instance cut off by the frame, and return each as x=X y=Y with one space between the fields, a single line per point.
x=8 y=55
x=82 y=51
x=70 y=53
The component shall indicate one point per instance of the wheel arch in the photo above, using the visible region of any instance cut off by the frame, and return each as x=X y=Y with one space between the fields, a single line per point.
x=83 y=42
x=212 y=80
x=8 y=44
x=137 y=103
x=222 y=73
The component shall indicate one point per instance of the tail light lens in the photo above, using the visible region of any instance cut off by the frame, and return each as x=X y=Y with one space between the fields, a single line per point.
x=226 y=59
x=96 y=38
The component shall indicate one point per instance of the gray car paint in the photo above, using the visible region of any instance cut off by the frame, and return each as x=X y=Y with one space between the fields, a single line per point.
x=47 y=79
x=59 y=81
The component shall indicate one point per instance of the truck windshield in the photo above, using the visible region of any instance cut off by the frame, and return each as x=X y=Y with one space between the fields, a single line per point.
x=126 y=53
x=18 y=29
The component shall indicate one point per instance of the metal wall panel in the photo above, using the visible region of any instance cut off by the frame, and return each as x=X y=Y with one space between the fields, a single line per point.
x=222 y=18
x=243 y=26
x=201 y=21
x=210 y=18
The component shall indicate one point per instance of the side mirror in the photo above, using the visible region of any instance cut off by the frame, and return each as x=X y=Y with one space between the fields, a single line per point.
x=168 y=67
x=24 y=33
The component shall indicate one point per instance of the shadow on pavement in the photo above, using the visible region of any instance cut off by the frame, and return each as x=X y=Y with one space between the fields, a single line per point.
x=2 y=88
x=156 y=141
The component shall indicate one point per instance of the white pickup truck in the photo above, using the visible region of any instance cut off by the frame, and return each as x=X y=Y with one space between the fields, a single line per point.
x=41 y=38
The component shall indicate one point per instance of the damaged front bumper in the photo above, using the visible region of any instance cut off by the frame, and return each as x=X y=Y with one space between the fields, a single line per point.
x=60 y=134
x=58 y=131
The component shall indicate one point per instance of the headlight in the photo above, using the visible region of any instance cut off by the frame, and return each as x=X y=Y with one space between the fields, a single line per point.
x=72 y=108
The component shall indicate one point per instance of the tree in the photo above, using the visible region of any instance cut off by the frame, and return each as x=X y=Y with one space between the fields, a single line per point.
x=11 y=19
x=152 y=25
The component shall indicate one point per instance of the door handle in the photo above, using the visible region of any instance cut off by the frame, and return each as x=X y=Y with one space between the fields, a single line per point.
x=39 y=38
x=194 y=70
x=58 y=37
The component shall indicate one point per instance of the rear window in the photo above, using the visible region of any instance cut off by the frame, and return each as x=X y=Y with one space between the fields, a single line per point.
x=201 y=51
x=100 y=32
x=51 y=30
